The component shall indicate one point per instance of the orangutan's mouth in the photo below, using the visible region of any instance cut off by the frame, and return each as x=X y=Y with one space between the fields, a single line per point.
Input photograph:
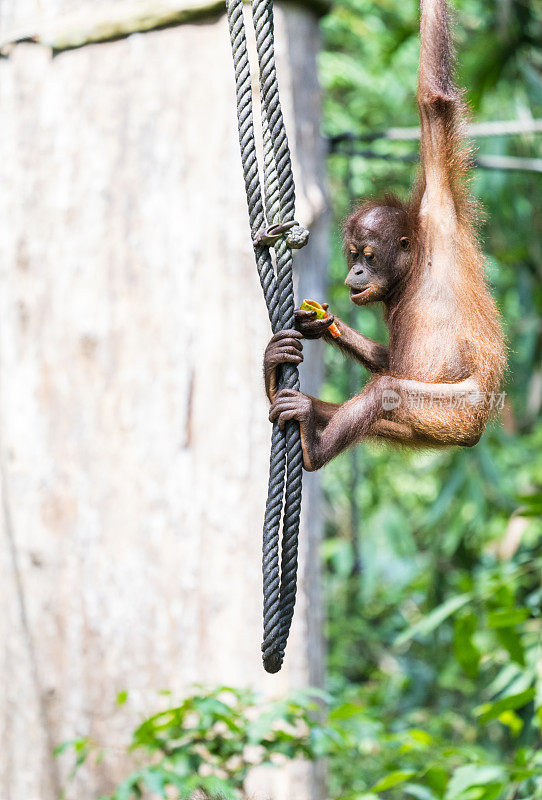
x=358 y=294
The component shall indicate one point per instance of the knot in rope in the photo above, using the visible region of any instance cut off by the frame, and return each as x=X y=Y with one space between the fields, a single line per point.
x=279 y=559
x=295 y=235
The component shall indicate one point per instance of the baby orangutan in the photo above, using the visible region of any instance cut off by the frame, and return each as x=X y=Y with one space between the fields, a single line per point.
x=435 y=383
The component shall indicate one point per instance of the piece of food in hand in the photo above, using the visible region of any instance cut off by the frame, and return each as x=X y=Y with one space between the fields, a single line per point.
x=321 y=313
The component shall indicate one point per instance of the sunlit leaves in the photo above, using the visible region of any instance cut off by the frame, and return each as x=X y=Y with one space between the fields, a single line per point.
x=465 y=650
x=486 y=778
x=393 y=779
x=210 y=740
x=491 y=711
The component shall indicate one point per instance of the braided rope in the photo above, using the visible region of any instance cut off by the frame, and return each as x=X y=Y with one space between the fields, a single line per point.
x=286 y=459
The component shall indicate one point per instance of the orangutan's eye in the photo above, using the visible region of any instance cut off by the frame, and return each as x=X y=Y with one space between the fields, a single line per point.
x=404 y=242
x=354 y=255
x=368 y=254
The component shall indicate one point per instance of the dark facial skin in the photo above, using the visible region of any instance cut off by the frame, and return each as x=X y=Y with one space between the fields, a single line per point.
x=378 y=253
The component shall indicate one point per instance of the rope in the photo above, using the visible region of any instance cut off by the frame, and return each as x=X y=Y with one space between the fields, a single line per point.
x=275 y=227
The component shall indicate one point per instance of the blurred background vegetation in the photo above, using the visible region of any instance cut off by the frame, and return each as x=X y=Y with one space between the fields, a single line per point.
x=433 y=561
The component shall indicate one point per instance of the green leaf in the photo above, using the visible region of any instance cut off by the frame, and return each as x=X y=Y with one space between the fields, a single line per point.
x=76 y=744
x=393 y=779
x=511 y=641
x=420 y=736
x=122 y=697
x=428 y=624
x=465 y=650
x=419 y=792
x=213 y=787
x=127 y=789
x=437 y=778
x=154 y=780
x=508 y=617
x=346 y=711
x=490 y=711
x=533 y=503
x=512 y=721
x=466 y=777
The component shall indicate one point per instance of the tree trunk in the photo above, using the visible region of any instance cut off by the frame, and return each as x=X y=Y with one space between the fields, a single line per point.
x=134 y=438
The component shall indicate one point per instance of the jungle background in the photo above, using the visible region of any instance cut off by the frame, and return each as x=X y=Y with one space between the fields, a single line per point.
x=432 y=561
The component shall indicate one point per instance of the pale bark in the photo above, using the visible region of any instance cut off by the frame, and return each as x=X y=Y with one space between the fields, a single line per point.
x=134 y=434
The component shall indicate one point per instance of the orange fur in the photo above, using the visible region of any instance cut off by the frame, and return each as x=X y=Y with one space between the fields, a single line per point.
x=446 y=354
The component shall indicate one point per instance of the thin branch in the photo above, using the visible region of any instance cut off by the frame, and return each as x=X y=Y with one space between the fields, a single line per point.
x=476 y=130
x=511 y=163
x=503 y=163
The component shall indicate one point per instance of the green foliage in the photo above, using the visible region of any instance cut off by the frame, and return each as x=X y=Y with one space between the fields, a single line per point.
x=455 y=697
x=210 y=740
x=433 y=561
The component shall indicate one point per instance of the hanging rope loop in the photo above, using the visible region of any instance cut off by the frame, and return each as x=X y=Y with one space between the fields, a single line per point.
x=266 y=215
